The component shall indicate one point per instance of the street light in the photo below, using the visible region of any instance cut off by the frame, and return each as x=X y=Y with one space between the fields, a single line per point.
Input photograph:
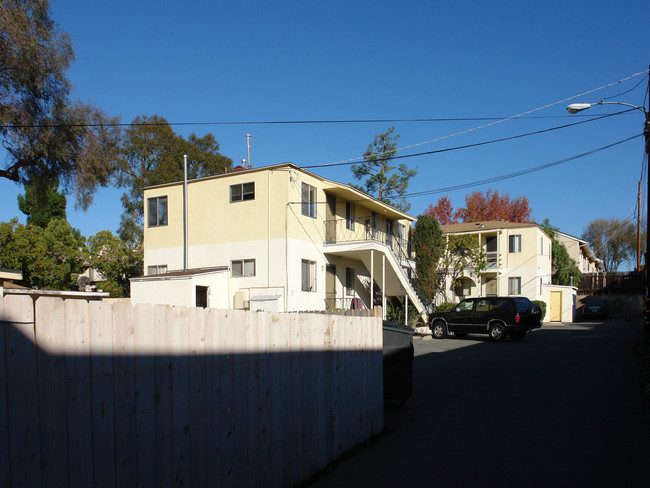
x=574 y=108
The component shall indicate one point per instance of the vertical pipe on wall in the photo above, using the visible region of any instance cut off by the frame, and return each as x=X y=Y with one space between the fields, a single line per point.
x=185 y=243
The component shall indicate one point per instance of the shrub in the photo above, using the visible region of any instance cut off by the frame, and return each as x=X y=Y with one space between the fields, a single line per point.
x=446 y=307
x=542 y=305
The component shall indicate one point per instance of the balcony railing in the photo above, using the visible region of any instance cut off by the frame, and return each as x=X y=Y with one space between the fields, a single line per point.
x=365 y=229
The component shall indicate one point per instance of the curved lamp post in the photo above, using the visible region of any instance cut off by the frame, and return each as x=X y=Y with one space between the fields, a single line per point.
x=574 y=108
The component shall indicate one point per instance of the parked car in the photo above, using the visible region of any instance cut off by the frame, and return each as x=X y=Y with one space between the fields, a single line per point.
x=595 y=308
x=496 y=316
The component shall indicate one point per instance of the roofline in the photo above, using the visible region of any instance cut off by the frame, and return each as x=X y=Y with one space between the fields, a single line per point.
x=289 y=165
x=480 y=230
x=181 y=274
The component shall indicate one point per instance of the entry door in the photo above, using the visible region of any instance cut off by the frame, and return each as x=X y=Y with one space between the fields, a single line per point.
x=491 y=286
x=555 y=312
x=330 y=220
x=330 y=287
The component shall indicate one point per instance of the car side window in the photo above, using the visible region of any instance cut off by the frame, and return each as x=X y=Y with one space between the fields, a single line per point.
x=502 y=305
x=483 y=306
x=465 y=306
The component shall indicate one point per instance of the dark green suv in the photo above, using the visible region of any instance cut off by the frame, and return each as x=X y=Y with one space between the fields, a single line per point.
x=497 y=316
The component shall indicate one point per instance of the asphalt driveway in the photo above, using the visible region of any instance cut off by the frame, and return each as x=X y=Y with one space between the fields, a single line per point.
x=561 y=408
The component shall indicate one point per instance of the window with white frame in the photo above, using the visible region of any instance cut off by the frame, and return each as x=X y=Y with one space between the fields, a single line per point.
x=308 y=275
x=514 y=286
x=157 y=209
x=156 y=269
x=242 y=192
x=349 y=281
x=308 y=200
x=242 y=268
x=514 y=243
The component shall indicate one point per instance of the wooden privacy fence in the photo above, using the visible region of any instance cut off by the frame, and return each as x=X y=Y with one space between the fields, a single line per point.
x=99 y=394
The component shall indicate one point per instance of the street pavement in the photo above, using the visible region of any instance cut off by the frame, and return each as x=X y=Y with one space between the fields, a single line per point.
x=561 y=408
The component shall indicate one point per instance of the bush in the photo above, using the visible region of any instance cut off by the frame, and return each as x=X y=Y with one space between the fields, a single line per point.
x=542 y=305
x=446 y=307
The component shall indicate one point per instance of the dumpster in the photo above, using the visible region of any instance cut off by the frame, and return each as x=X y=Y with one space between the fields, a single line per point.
x=398 y=361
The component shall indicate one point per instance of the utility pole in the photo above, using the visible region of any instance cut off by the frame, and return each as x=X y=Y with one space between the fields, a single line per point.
x=646 y=134
x=638 y=231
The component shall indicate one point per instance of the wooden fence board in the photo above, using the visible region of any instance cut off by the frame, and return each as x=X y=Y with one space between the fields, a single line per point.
x=22 y=393
x=180 y=396
x=124 y=393
x=213 y=401
x=163 y=318
x=197 y=384
x=227 y=380
x=144 y=344
x=265 y=419
x=51 y=333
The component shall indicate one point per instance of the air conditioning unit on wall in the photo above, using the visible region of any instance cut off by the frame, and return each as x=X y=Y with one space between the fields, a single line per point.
x=241 y=300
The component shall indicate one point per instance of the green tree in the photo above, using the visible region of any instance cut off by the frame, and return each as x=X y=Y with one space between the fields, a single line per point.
x=152 y=154
x=117 y=260
x=42 y=202
x=41 y=129
x=50 y=257
x=462 y=256
x=428 y=242
x=565 y=270
x=383 y=180
x=613 y=241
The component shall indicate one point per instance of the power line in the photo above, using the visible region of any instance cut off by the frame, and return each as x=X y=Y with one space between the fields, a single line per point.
x=477 y=144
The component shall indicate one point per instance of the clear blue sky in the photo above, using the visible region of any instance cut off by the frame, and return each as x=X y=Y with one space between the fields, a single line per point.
x=208 y=61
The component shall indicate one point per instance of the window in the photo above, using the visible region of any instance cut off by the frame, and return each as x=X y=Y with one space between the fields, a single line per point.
x=349 y=281
x=514 y=243
x=242 y=268
x=242 y=192
x=202 y=296
x=308 y=200
x=514 y=286
x=157 y=211
x=308 y=275
x=349 y=216
x=156 y=269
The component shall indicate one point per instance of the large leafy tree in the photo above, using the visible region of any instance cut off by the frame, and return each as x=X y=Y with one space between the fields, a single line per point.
x=462 y=256
x=384 y=180
x=152 y=153
x=428 y=242
x=494 y=206
x=50 y=257
x=44 y=133
x=116 y=260
x=565 y=270
x=613 y=241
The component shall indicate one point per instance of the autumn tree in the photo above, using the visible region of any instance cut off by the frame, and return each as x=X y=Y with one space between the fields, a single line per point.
x=564 y=268
x=44 y=133
x=442 y=212
x=151 y=153
x=383 y=180
x=494 y=206
x=612 y=240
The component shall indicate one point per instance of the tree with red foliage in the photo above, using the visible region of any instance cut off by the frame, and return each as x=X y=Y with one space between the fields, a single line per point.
x=442 y=212
x=494 y=206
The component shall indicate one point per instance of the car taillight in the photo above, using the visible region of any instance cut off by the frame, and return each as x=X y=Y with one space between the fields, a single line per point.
x=517 y=318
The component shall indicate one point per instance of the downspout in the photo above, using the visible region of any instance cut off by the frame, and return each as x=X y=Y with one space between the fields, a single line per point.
x=185 y=243
x=268 y=226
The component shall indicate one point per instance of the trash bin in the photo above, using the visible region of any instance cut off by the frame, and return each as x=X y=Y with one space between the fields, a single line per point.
x=398 y=362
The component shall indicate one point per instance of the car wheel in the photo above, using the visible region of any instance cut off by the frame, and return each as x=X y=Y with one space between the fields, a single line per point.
x=438 y=330
x=517 y=335
x=497 y=332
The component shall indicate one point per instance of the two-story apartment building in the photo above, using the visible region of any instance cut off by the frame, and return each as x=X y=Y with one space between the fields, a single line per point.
x=274 y=238
x=580 y=251
x=518 y=260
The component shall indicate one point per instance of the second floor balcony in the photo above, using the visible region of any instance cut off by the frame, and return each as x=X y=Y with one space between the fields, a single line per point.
x=368 y=229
